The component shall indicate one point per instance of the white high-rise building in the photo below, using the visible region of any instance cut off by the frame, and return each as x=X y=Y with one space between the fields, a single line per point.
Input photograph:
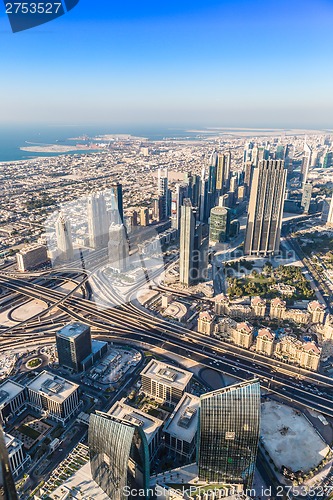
x=98 y=226
x=329 y=222
x=118 y=248
x=64 y=238
x=306 y=162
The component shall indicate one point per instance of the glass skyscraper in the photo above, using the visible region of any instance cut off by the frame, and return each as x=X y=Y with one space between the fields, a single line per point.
x=229 y=426
x=119 y=455
x=73 y=345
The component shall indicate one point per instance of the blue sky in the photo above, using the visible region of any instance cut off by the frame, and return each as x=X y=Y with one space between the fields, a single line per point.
x=209 y=63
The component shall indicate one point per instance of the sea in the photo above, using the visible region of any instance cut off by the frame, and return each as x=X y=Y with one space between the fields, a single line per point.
x=13 y=138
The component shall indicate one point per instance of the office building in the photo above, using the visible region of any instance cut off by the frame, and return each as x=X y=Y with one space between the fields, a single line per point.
x=7 y=483
x=329 y=221
x=17 y=458
x=164 y=195
x=73 y=345
x=117 y=207
x=223 y=172
x=118 y=248
x=180 y=195
x=186 y=251
x=219 y=225
x=180 y=430
x=265 y=210
x=64 y=238
x=119 y=455
x=54 y=396
x=229 y=428
x=31 y=257
x=306 y=161
x=165 y=383
x=306 y=197
x=98 y=223
x=144 y=217
x=151 y=426
x=12 y=399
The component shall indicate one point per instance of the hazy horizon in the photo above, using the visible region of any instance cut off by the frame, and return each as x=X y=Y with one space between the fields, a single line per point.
x=228 y=63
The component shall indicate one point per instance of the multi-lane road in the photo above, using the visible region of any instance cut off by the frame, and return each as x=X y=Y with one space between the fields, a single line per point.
x=133 y=324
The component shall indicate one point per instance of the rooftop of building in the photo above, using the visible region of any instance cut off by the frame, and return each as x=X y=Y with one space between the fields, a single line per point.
x=31 y=248
x=73 y=330
x=12 y=443
x=183 y=422
x=230 y=388
x=258 y=301
x=168 y=374
x=149 y=424
x=9 y=390
x=206 y=315
x=53 y=386
x=316 y=305
x=266 y=332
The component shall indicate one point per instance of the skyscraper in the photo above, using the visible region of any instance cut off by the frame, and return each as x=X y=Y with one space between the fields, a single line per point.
x=119 y=455
x=306 y=161
x=329 y=221
x=187 y=233
x=118 y=248
x=98 y=225
x=219 y=225
x=7 y=483
x=306 y=197
x=117 y=208
x=73 y=345
x=63 y=232
x=180 y=195
x=223 y=172
x=229 y=427
x=163 y=194
x=265 y=210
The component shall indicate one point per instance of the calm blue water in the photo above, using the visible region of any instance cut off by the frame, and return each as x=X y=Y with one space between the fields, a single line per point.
x=12 y=138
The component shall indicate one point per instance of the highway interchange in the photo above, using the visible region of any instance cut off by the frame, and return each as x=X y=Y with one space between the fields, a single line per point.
x=130 y=322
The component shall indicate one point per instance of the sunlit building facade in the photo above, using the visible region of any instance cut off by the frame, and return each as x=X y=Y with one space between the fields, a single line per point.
x=229 y=430
x=119 y=456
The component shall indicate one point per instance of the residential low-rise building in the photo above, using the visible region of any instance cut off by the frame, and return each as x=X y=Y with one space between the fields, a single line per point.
x=277 y=308
x=304 y=354
x=206 y=323
x=297 y=316
x=242 y=335
x=317 y=311
x=221 y=304
x=258 y=305
x=265 y=341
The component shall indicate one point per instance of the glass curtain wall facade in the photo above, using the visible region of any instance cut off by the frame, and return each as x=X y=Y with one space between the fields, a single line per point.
x=119 y=456
x=229 y=427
